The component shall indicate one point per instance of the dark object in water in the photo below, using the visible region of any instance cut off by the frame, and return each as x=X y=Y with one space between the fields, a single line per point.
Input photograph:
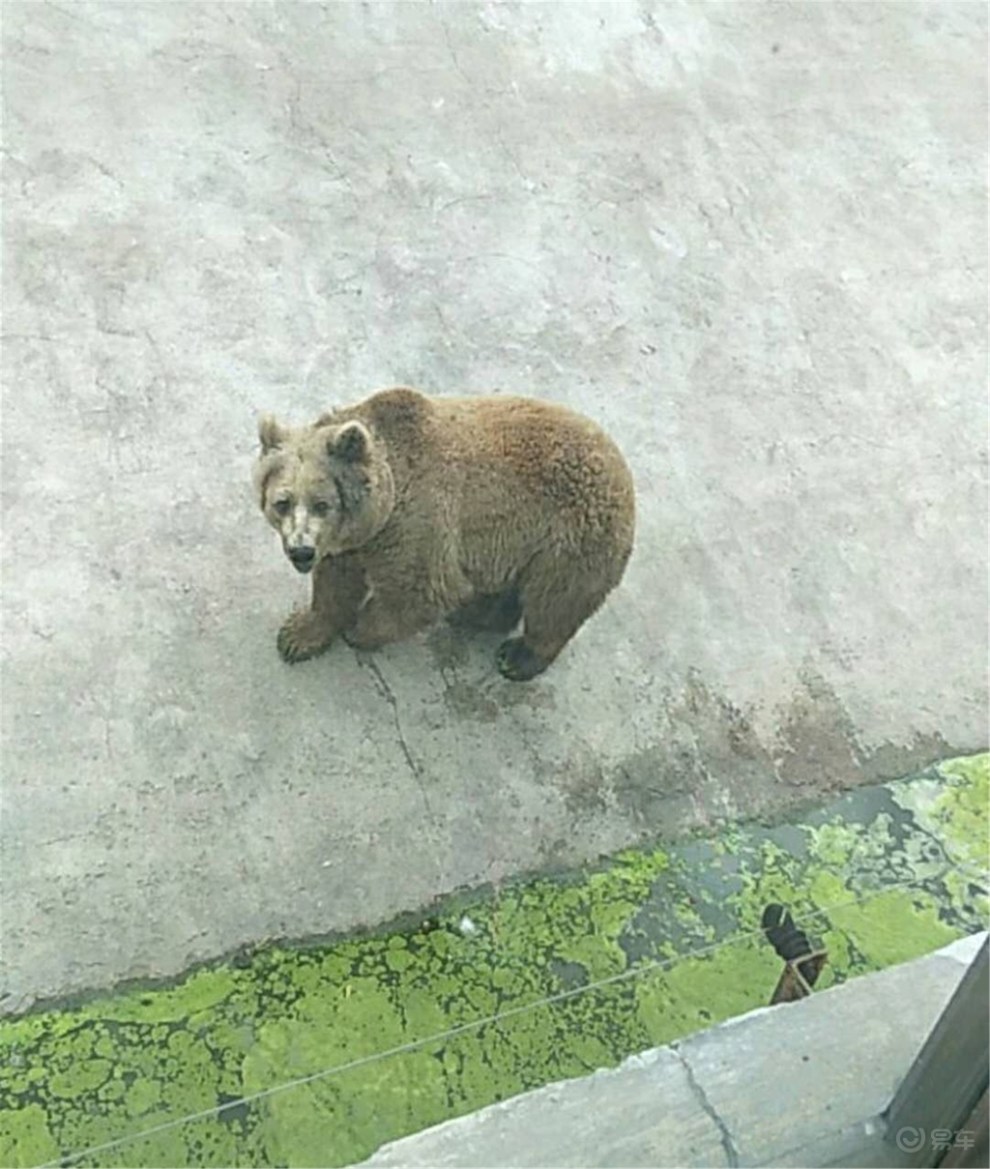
x=803 y=964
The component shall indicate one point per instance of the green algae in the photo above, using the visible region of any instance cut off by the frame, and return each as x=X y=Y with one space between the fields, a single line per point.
x=952 y=805
x=27 y=1139
x=879 y=877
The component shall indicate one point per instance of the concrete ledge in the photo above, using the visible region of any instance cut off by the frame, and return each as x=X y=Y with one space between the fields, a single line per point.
x=796 y=1085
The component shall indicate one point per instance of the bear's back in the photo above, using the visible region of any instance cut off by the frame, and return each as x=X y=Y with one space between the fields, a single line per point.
x=520 y=468
x=543 y=446
x=549 y=452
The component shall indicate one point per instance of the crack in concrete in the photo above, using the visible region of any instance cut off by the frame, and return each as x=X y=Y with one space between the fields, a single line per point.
x=389 y=695
x=472 y=87
x=448 y=40
x=731 y=1152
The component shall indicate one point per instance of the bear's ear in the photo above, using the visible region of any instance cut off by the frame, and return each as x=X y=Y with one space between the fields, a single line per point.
x=271 y=433
x=351 y=443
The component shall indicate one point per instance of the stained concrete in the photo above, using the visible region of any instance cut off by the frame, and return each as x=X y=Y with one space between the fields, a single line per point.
x=748 y=239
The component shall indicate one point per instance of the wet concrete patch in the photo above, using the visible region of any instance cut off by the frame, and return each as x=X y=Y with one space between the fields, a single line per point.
x=494 y=994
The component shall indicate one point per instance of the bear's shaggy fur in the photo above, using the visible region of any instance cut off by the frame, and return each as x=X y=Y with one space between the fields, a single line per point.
x=490 y=511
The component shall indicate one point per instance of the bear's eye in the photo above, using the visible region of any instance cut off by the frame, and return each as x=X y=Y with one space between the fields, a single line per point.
x=281 y=506
x=321 y=507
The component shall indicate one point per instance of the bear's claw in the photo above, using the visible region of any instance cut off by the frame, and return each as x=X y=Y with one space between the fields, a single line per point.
x=517 y=662
x=298 y=640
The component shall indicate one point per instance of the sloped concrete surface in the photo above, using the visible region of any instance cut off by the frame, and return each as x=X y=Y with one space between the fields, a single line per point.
x=802 y=1084
x=747 y=239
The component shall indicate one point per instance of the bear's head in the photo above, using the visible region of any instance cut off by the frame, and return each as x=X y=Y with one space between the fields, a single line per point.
x=325 y=489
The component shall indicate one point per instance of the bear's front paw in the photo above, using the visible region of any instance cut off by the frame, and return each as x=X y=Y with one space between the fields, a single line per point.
x=302 y=636
x=517 y=662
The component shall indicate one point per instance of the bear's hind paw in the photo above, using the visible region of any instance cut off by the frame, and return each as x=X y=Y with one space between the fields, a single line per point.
x=517 y=662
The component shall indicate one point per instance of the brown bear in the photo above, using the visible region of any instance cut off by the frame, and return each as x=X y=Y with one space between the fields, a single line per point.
x=407 y=508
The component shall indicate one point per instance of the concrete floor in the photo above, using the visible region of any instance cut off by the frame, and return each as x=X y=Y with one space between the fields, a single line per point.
x=748 y=239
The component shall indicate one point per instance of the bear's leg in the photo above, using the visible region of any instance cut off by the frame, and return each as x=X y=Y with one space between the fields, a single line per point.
x=492 y=612
x=556 y=602
x=338 y=589
x=517 y=662
x=390 y=616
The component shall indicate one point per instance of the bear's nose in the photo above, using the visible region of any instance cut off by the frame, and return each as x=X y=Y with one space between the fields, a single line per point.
x=302 y=557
